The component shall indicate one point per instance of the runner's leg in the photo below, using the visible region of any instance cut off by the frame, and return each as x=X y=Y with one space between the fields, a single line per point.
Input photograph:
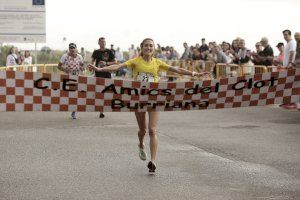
x=153 y=119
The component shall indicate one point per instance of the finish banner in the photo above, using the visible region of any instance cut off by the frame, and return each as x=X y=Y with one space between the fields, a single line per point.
x=30 y=91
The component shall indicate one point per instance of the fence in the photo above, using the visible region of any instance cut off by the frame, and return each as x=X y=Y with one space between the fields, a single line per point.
x=220 y=70
x=41 y=68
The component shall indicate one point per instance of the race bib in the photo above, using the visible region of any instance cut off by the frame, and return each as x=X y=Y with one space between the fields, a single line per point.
x=75 y=72
x=145 y=77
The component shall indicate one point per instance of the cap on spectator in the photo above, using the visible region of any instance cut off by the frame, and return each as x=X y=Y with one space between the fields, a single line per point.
x=280 y=44
x=72 y=46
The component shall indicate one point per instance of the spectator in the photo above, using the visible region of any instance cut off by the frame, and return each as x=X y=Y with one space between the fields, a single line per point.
x=112 y=48
x=12 y=58
x=267 y=54
x=289 y=59
x=132 y=52
x=163 y=53
x=243 y=55
x=289 y=50
x=297 y=59
x=168 y=53
x=158 y=52
x=83 y=53
x=28 y=58
x=20 y=57
x=218 y=55
x=196 y=54
x=173 y=54
x=119 y=55
x=103 y=57
x=120 y=59
x=210 y=46
x=279 y=60
x=255 y=55
x=234 y=47
x=227 y=51
x=203 y=46
x=186 y=53
x=225 y=46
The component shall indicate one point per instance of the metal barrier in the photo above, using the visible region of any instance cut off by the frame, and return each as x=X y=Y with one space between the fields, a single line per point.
x=42 y=68
x=224 y=70
x=254 y=69
x=191 y=65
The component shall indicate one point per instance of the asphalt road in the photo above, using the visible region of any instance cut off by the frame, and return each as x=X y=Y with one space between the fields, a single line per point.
x=234 y=154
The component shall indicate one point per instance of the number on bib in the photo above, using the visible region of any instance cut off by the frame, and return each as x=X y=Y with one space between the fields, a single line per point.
x=145 y=77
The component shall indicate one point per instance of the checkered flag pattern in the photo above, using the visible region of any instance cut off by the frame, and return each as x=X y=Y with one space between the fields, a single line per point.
x=29 y=91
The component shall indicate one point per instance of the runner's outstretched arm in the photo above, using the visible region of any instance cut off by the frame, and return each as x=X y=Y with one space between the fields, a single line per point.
x=187 y=72
x=110 y=68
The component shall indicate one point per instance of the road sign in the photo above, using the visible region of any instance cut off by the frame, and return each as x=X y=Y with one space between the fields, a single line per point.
x=22 y=21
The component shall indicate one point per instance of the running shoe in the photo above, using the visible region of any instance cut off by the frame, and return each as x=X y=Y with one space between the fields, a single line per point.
x=142 y=153
x=73 y=115
x=101 y=115
x=151 y=166
x=289 y=106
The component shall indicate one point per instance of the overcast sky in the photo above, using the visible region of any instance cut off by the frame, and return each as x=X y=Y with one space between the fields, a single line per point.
x=168 y=22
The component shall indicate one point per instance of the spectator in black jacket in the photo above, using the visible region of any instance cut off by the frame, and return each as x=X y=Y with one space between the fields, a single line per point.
x=267 y=55
x=256 y=55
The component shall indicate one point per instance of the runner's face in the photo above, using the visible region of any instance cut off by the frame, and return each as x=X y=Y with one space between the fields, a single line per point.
x=148 y=48
x=72 y=51
x=102 y=43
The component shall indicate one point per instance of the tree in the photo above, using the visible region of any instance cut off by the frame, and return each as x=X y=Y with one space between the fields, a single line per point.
x=46 y=49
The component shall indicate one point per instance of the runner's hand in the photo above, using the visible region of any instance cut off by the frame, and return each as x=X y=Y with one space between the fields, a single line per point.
x=93 y=68
x=202 y=74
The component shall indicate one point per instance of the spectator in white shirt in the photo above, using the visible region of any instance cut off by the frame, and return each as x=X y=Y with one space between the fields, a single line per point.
x=289 y=55
x=28 y=58
x=12 y=58
x=132 y=52
x=289 y=50
x=119 y=55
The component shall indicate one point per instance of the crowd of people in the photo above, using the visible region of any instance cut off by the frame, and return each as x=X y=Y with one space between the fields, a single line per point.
x=16 y=57
x=235 y=52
